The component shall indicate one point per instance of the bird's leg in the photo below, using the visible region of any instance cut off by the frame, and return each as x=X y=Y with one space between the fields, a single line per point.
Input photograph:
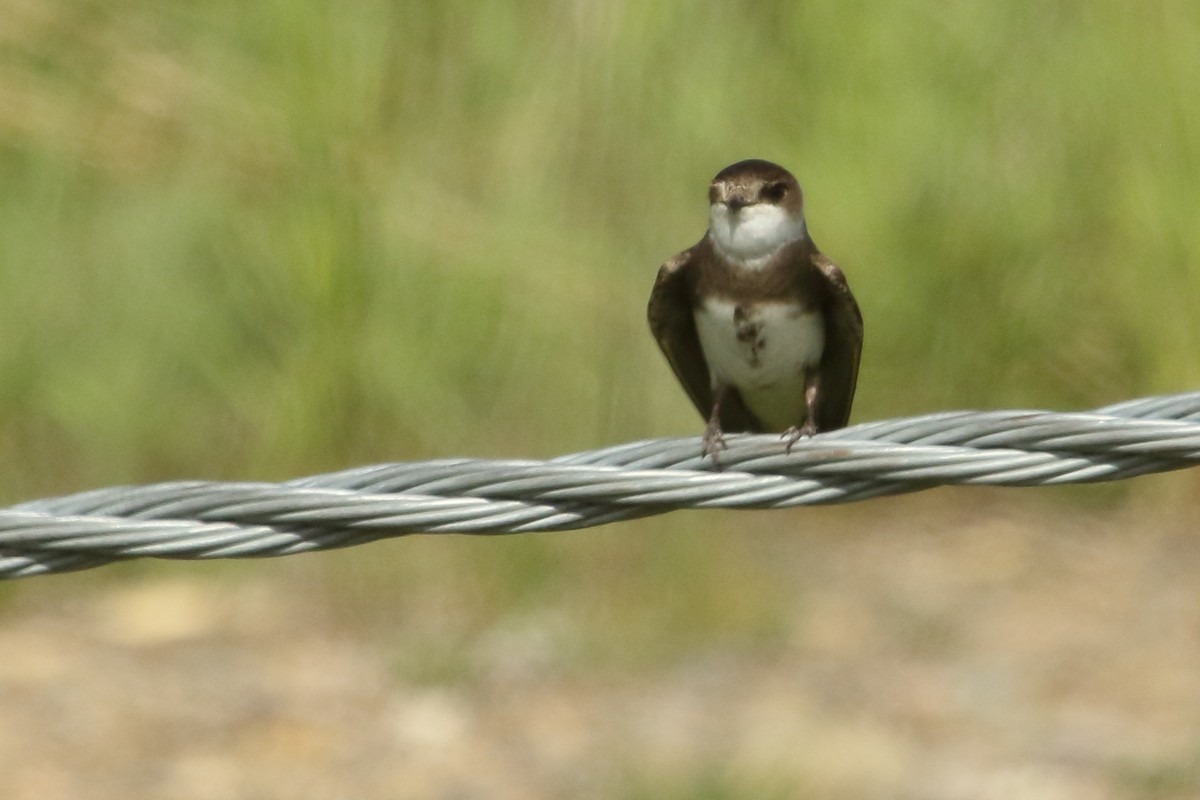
x=714 y=439
x=812 y=384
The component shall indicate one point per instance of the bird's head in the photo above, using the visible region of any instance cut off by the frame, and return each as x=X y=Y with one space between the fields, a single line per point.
x=755 y=208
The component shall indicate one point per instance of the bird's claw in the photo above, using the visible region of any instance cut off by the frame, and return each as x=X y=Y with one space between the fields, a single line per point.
x=795 y=434
x=712 y=442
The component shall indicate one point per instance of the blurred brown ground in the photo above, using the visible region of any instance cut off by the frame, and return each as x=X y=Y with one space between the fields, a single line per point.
x=956 y=644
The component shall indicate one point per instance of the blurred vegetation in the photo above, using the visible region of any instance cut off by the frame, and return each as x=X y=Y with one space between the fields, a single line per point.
x=267 y=239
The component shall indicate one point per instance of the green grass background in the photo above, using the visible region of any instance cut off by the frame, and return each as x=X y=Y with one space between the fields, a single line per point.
x=258 y=240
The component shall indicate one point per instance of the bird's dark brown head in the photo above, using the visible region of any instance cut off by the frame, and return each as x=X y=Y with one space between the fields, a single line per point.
x=755 y=207
x=756 y=181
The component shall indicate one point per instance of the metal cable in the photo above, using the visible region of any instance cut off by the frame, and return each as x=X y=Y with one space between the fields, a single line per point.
x=206 y=519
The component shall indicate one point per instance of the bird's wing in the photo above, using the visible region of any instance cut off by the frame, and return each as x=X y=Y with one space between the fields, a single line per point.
x=674 y=327
x=673 y=323
x=843 y=347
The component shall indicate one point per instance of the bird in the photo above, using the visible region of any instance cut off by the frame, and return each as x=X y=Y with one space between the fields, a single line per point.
x=758 y=325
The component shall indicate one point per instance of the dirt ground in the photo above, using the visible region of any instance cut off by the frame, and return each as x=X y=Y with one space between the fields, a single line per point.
x=948 y=645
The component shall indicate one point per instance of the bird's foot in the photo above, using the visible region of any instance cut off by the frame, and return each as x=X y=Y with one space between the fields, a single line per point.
x=712 y=442
x=795 y=434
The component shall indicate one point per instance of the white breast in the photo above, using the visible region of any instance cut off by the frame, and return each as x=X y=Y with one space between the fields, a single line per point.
x=765 y=350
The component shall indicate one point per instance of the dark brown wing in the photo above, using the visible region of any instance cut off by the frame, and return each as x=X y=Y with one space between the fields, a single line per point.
x=672 y=321
x=843 y=347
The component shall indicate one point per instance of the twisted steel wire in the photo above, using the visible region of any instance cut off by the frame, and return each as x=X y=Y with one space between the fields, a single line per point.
x=206 y=519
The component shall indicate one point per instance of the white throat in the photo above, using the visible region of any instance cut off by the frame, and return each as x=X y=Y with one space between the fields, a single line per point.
x=755 y=232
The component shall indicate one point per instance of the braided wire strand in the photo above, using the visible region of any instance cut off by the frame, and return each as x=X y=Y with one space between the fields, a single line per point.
x=207 y=519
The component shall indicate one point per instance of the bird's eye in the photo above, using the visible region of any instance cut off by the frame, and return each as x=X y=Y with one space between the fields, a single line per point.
x=774 y=192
